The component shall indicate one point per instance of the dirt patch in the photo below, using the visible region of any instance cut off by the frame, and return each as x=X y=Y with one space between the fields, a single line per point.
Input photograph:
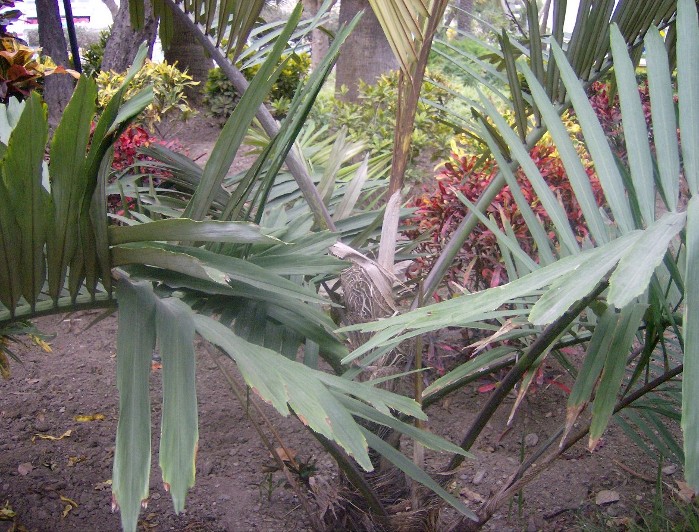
x=233 y=491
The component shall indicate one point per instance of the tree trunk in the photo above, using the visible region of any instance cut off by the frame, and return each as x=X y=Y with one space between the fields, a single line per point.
x=112 y=6
x=123 y=41
x=319 y=39
x=464 y=17
x=366 y=54
x=189 y=54
x=58 y=88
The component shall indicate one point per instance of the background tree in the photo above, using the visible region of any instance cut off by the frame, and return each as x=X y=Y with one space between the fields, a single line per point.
x=189 y=54
x=319 y=39
x=57 y=89
x=464 y=17
x=124 y=41
x=367 y=53
x=112 y=6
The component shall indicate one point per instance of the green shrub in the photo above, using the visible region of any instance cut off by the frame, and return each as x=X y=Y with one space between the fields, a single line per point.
x=169 y=84
x=221 y=98
x=373 y=119
x=465 y=47
x=93 y=54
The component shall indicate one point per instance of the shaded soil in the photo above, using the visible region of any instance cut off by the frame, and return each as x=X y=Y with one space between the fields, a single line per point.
x=233 y=490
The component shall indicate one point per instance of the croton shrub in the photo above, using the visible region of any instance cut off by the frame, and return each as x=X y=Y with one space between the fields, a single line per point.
x=439 y=211
x=130 y=162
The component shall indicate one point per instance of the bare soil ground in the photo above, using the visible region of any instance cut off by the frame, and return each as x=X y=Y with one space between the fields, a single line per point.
x=63 y=483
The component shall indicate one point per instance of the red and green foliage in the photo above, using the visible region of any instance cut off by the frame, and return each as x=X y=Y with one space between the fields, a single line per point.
x=439 y=211
x=609 y=113
x=130 y=161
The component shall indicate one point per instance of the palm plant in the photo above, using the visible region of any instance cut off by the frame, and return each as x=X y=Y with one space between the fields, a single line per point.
x=202 y=266
x=625 y=295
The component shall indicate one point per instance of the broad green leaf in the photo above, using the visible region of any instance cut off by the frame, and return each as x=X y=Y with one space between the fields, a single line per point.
x=596 y=141
x=579 y=281
x=663 y=114
x=179 y=431
x=575 y=170
x=534 y=225
x=467 y=308
x=595 y=357
x=690 y=330
x=233 y=132
x=131 y=109
x=183 y=229
x=178 y=262
x=545 y=195
x=688 y=89
x=353 y=191
x=22 y=174
x=284 y=382
x=429 y=440
x=632 y=276
x=69 y=180
x=210 y=267
x=10 y=279
x=635 y=130
x=613 y=372
x=135 y=344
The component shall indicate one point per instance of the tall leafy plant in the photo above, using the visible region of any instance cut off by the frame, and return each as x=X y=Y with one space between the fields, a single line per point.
x=627 y=292
x=206 y=268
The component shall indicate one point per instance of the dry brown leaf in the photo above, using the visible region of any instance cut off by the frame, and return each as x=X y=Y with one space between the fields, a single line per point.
x=685 y=491
x=606 y=497
x=72 y=460
x=69 y=501
x=6 y=512
x=83 y=418
x=472 y=495
x=101 y=486
x=66 y=510
x=66 y=434
x=282 y=454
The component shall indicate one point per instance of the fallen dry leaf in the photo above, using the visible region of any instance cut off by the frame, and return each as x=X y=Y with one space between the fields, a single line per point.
x=66 y=434
x=25 y=468
x=72 y=460
x=69 y=501
x=685 y=491
x=606 y=497
x=472 y=495
x=101 y=486
x=281 y=453
x=69 y=506
x=83 y=418
x=6 y=512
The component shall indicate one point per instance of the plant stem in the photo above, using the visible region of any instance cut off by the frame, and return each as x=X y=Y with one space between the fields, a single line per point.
x=245 y=400
x=296 y=165
x=518 y=479
x=549 y=335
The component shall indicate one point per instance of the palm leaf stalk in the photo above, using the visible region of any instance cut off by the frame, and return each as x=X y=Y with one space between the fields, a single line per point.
x=410 y=27
x=295 y=164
